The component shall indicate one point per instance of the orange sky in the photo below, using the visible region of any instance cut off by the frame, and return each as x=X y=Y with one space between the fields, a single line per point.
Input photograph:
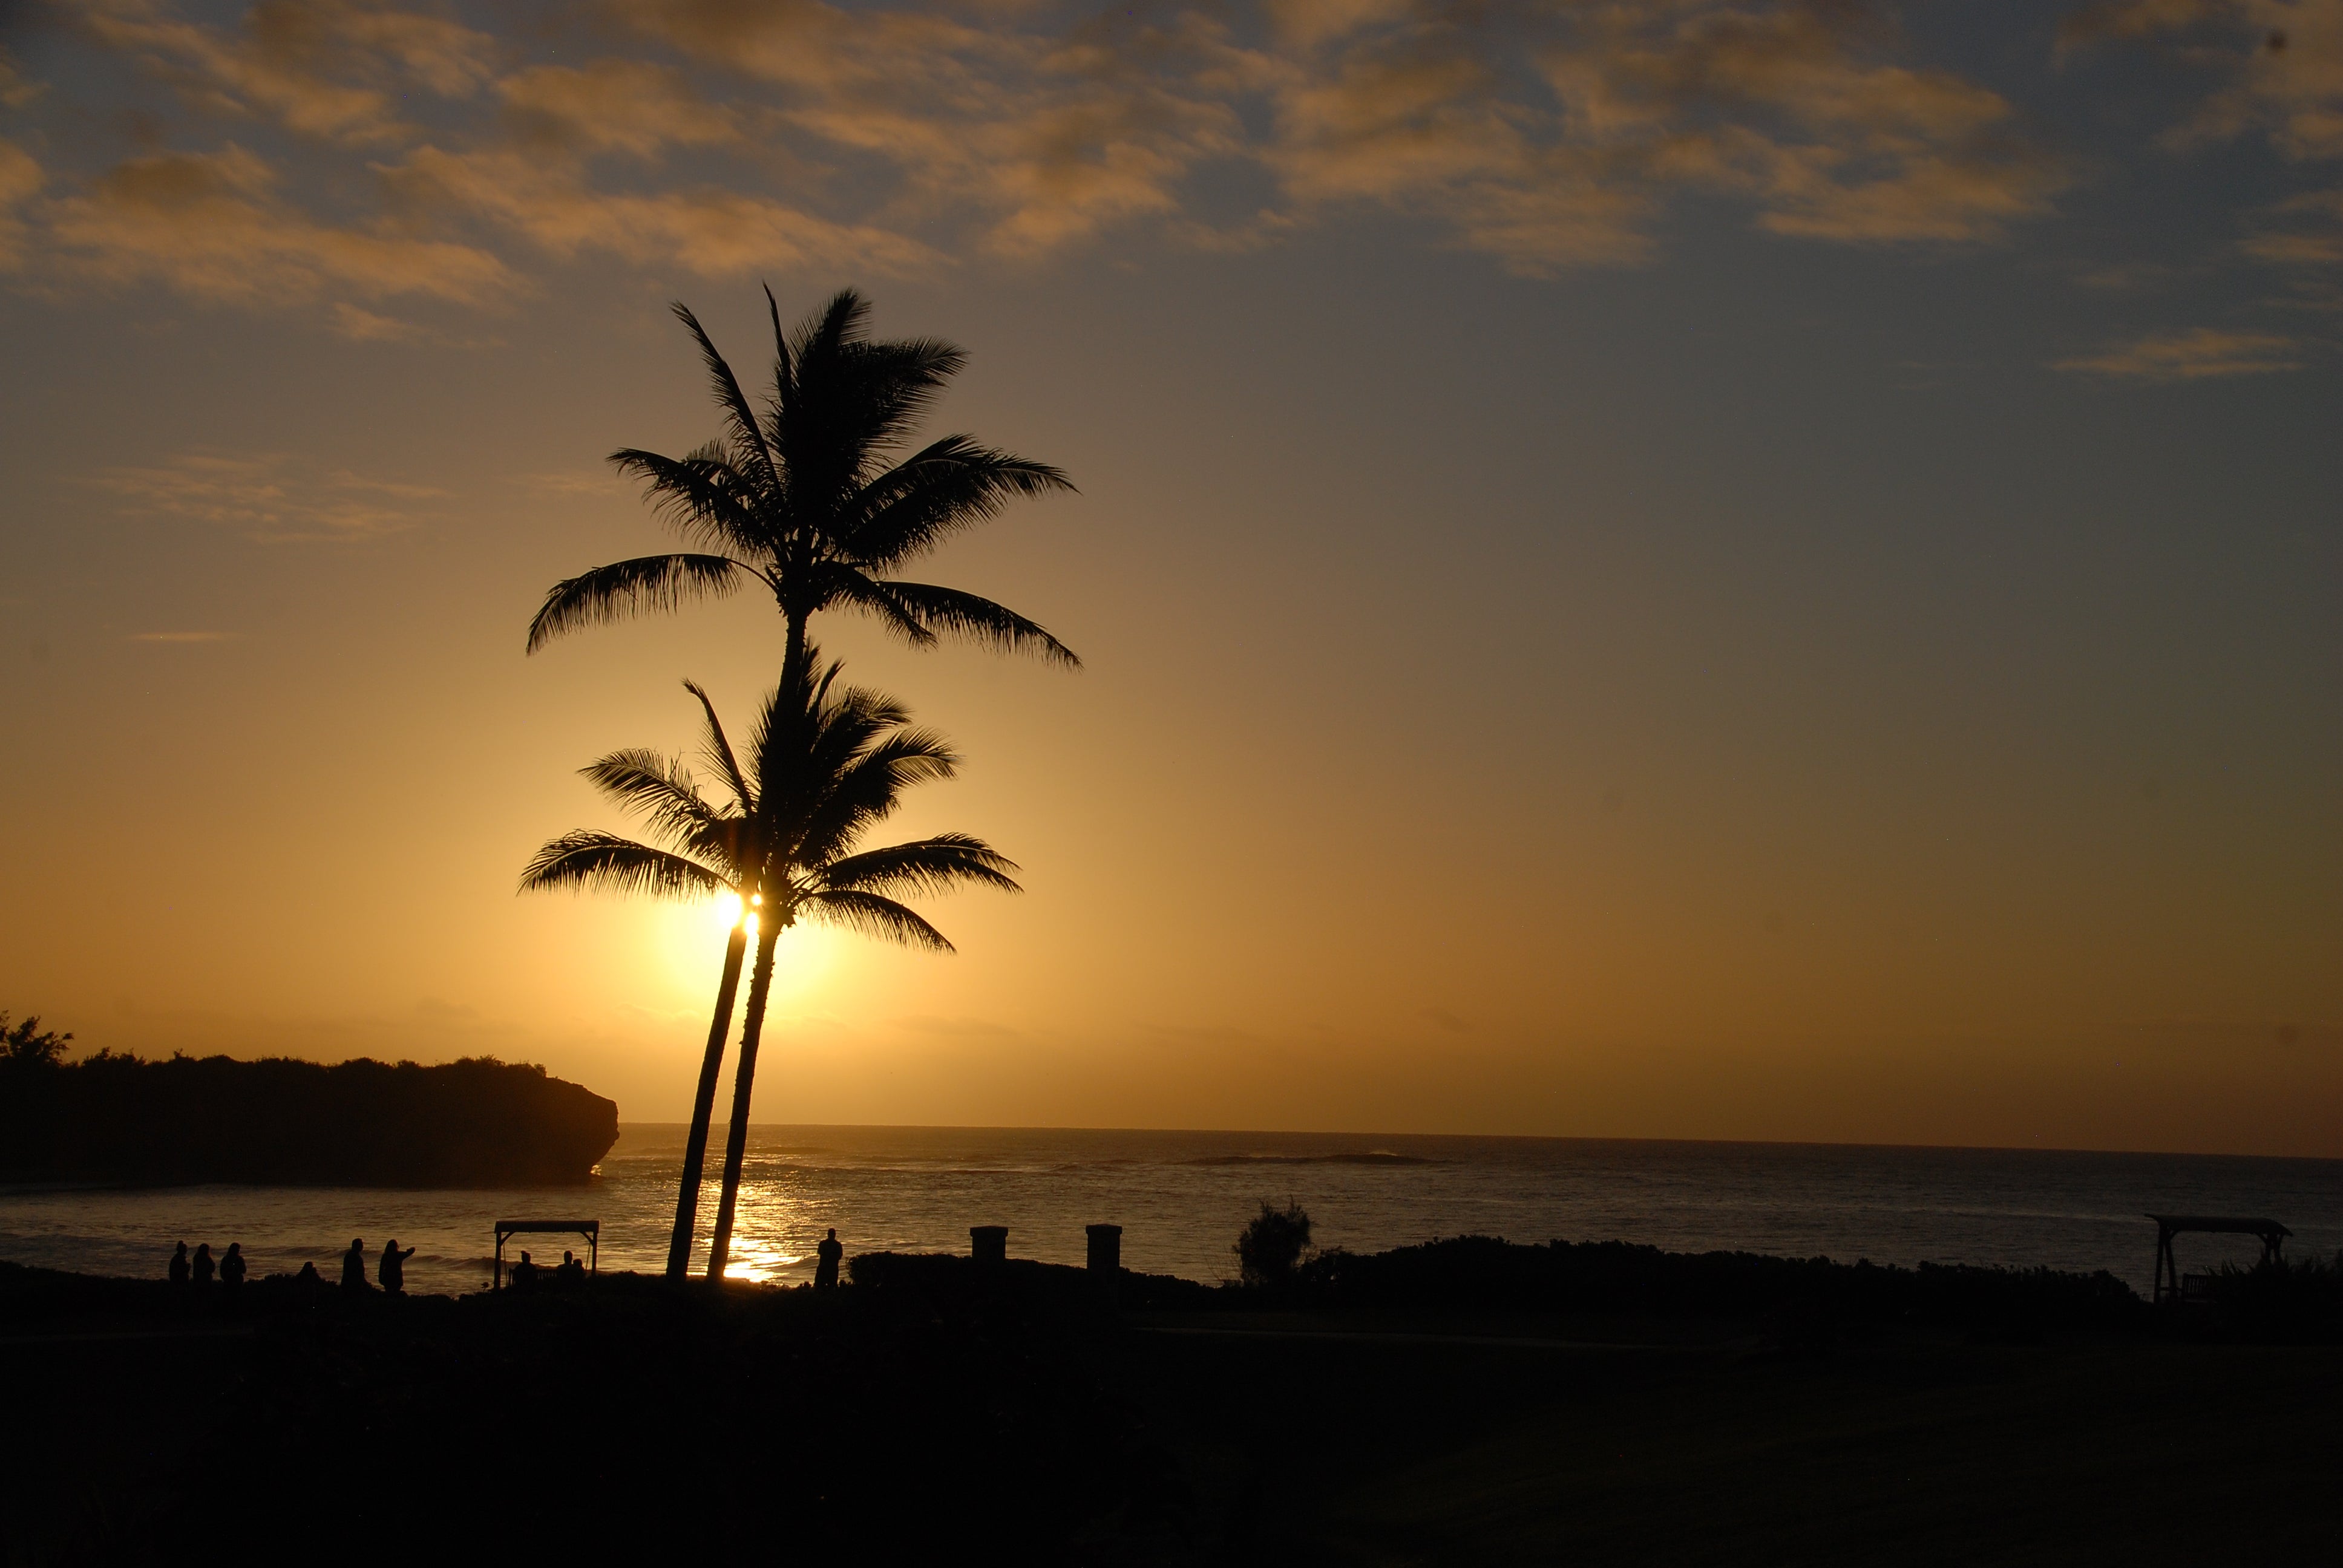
x=1753 y=573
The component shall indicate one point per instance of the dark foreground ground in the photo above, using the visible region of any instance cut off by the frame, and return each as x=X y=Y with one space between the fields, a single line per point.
x=963 y=1418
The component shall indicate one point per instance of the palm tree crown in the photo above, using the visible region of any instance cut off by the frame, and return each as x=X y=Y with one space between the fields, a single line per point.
x=807 y=496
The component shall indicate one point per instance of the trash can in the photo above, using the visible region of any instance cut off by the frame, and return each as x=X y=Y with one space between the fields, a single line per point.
x=988 y=1244
x=1106 y=1249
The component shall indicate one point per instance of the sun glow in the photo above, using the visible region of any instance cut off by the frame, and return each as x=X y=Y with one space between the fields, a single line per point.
x=723 y=911
x=690 y=948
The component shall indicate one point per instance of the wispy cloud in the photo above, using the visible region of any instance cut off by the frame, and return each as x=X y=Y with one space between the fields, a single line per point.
x=712 y=232
x=820 y=138
x=2275 y=69
x=213 y=225
x=20 y=178
x=269 y=497
x=2192 y=357
x=325 y=68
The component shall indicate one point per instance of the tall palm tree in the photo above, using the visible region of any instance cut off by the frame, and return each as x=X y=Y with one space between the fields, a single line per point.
x=825 y=766
x=809 y=496
x=702 y=850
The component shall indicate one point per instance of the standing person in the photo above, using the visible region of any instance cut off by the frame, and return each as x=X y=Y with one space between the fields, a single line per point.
x=202 y=1271
x=232 y=1266
x=392 y=1269
x=179 y=1265
x=826 y=1256
x=354 y=1267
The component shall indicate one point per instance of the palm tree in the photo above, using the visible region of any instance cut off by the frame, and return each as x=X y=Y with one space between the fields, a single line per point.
x=703 y=849
x=809 y=500
x=826 y=765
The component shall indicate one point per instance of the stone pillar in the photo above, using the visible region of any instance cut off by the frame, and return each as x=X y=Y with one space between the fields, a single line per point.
x=988 y=1244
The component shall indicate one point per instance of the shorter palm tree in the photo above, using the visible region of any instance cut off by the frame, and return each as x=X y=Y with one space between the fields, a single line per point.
x=824 y=766
x=703 y=851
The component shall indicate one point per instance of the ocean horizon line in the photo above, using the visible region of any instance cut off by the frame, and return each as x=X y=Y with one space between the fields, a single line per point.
x=771 y=1128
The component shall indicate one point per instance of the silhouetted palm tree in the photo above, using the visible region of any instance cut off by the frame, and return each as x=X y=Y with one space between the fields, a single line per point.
x=810 y=500
x=702 y=850
x=806 y=499
x=825 y=766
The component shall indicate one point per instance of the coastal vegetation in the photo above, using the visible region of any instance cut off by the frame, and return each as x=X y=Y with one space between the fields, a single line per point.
x=113 y=1117
x=814 y=495
x=824 y=766
x=1271 y=1245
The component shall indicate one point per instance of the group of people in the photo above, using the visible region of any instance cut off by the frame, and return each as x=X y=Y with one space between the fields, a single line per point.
x=390 y=1269
x=569 y=1271
x=198 y=1269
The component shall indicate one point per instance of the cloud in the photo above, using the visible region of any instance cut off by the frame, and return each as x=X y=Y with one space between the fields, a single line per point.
x=2192 y=356
x=1788 y=105
x=327 y=68
x=614 y=105
x=211 y=225
x=269 y=497
x=183 y=637
x=16 y=92
x=711 y=231
x=1049 y=137
x=20 y=179
x=822 y=138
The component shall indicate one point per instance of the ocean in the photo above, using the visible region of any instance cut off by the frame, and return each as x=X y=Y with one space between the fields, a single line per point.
x=1182 y=1197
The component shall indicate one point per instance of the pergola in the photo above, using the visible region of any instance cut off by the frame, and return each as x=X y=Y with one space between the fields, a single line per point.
x=589 y=1229
x=2168 y=1269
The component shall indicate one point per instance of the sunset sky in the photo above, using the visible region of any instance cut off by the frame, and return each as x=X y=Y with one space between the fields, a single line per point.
x=1679 y=569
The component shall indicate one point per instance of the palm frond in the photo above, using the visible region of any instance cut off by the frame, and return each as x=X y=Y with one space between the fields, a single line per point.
x=726 y=387
x=720 y=751
x=899 y=382
x=658 y=789
x=590 y=859
x=866 y=790
x=932 y=865
x=626 y=588
x=942 y=610
x=875 y=916
x=702 y=495
x=947 y=486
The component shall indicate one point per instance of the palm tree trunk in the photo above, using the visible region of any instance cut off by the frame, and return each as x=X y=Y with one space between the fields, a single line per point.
x=793 y=653
x=703 y=1105
x=736 y=1136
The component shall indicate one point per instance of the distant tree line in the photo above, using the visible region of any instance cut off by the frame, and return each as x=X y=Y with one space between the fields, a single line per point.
x=119 y=1118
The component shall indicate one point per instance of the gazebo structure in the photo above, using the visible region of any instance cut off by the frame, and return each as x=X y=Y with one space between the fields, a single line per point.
x=589 y=1229
x=2168 y=1269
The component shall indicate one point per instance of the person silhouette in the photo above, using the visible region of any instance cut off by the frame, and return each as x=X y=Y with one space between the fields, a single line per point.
x=572 y=1272
x=308 y=1279
x=826 y=1256
x=201 y=1270
x=231 y=1267
x=354 y=1267
x=524 y=1273
x=392 y=1269
x=179 y=1265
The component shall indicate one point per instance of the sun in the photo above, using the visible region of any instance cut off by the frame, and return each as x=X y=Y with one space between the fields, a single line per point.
x=692 y=939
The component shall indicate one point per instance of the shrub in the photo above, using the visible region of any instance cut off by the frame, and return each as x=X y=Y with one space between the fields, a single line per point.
x=1271 y=1247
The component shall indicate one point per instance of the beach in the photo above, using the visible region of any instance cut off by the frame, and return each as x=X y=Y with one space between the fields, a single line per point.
x=1182 y=1196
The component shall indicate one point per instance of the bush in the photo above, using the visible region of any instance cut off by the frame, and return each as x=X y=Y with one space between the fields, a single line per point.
x=1271 y=1248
